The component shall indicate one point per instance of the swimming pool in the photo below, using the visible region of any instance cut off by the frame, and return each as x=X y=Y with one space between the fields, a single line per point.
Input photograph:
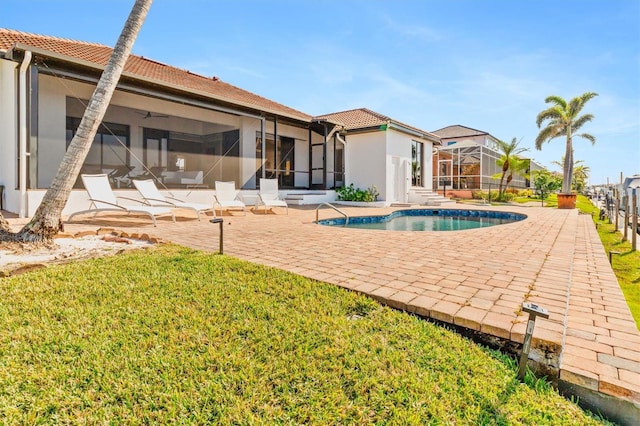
x=428 y=220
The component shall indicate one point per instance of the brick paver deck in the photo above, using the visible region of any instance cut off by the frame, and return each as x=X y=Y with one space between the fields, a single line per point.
x=474 y=279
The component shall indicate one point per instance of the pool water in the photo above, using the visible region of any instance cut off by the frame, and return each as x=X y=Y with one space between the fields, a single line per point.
x=428 y=220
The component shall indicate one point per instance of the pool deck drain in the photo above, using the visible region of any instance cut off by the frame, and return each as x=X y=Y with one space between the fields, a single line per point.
x=476 y=280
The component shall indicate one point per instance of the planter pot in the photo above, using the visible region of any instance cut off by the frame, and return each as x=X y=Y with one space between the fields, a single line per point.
x=567 y=201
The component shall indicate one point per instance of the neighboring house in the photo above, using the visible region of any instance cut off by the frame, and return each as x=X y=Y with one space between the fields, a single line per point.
x=453 y=134
x=184 y=130
x=385 y=153
x=467 y=161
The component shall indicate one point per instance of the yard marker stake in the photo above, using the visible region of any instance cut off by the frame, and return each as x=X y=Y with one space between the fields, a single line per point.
x=220 y=221
x=534 y=311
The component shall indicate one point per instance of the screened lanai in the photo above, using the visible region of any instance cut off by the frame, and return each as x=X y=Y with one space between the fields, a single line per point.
x=469 y=166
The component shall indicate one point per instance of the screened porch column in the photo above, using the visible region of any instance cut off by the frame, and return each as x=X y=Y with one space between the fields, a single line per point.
x=276 y=166
x=324 y=157
x=263 y=142
x=310 y=158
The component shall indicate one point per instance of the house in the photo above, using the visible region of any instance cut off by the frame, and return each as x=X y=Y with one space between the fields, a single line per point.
x=467 y=161
x=385 y=153
x=182 y=129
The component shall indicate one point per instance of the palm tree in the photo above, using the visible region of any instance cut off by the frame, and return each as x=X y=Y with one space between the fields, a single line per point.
x=508 y=161
x=563 y=120
x=47 y=221
x=580 y=173
x=580 y=176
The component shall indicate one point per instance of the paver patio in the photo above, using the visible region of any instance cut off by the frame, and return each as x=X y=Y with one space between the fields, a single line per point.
x=475 y=280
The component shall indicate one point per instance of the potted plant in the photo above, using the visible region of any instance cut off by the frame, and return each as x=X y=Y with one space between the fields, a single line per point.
x=562 y=119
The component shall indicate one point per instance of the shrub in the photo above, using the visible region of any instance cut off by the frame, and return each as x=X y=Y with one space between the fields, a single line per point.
x=506 y=196
x=350 y=193
x=483 y=195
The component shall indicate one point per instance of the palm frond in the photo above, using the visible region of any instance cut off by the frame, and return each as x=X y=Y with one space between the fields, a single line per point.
x=588 y=96
x=546 y=134
x=558 y=100
x=552 y=114
x=581 y=121
x=576 y=104
x=588 y=137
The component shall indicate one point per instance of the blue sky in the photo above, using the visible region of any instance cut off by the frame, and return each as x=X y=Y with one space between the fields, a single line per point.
x=484 y=64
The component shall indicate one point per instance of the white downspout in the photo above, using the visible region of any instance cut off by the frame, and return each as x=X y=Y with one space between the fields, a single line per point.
x=22 y=124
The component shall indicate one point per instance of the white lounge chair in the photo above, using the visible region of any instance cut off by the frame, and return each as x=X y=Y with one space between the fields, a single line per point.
x=153 y=197
x=227 y=197
x=104 y=200
x=269 y=196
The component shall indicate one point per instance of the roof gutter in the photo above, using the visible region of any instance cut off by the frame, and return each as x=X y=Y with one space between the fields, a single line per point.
x=98 y=67
x=22 y=125
x=404 y=129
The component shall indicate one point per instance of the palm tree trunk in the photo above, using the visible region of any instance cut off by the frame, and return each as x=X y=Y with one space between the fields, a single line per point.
x=47 y=220
x=504 y=172
x=568 y=164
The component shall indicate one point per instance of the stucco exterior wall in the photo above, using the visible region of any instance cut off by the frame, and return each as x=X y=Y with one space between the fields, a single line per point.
x=366 y=160
x=398 y=159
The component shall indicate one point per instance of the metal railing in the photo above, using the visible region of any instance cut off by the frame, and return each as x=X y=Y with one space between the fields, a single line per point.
x=346 y=217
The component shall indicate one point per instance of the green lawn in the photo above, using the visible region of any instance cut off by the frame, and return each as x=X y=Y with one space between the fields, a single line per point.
x=172 y=335
x=626 y=264
x=550 y=201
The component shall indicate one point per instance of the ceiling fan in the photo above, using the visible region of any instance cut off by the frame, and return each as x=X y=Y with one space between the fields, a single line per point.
x=149 y=114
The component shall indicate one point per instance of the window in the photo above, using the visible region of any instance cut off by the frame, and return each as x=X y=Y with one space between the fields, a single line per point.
x=109 y=149
x=417 y=160
x=279 y=160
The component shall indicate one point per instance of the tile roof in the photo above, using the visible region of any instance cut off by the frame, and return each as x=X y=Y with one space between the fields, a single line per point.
x=356 y=118
x=362 y=118
x=146 y=69
x=457 y=131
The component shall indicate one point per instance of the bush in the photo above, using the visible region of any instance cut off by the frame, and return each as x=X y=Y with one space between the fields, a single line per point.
x=507 y=196
x=483 y=195
x=350 y=193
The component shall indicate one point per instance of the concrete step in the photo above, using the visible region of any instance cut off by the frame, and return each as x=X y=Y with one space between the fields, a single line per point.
x=294 y=202
x=403 y=204
x=429 y=198
x=443 y=202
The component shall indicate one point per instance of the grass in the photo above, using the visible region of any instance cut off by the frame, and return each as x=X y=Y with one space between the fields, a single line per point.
x=549 y=201
x=625 y=265
x=173 y=335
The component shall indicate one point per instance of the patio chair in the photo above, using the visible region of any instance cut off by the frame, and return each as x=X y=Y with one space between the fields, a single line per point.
x=268 y=196
x=104 y=200
x=153 y=197
x=119 y=176
x=227 y=197
x=154 y=172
